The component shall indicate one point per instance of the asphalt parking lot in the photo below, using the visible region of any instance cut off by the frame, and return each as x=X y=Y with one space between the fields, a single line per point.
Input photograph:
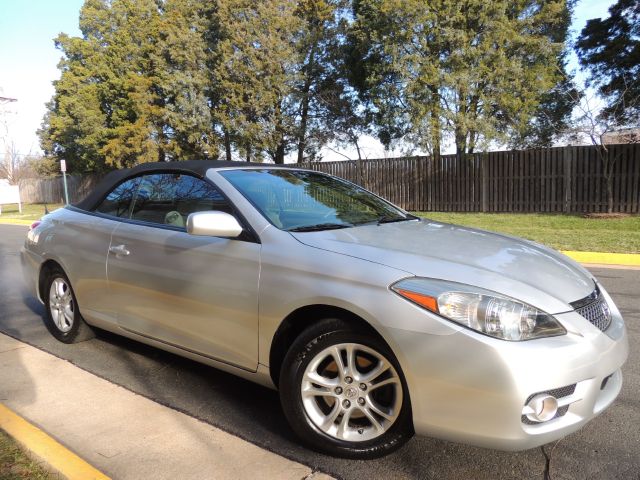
x=607 y=448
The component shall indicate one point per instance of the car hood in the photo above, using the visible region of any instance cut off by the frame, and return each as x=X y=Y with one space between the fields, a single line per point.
x=518 y=268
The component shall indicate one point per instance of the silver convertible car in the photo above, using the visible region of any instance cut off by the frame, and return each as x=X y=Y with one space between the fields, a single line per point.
x=372 y=323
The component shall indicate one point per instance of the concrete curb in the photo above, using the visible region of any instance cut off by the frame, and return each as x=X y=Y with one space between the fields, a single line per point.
x=123 y=434
x=41 y=447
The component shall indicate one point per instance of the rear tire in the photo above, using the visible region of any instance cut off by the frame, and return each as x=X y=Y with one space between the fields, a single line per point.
x=62 y=315
x=343 y=392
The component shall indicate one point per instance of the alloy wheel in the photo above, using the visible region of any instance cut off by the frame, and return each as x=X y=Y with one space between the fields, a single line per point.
x=351 y=392
x=61 y=305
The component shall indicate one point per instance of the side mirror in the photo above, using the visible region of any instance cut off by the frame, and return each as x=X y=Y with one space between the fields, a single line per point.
x=213 y=224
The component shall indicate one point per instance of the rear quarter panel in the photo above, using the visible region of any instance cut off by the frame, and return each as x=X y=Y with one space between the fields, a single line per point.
x=79 y=242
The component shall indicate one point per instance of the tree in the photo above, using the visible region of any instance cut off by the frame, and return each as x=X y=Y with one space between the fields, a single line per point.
x=104 y=112
x=276 y=70
x=132 y=88
x=184 y=81
x=13 y=166
x=177 y=79
x=45 y=167
x=253 y=58
x=553 y=115
x=610 y=50
x=324 y=96
x=552 y=118
x=471 y=71
x=590 y=125
x=74 y=125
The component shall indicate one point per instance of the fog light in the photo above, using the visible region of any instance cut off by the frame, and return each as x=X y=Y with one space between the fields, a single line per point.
x=542 y=407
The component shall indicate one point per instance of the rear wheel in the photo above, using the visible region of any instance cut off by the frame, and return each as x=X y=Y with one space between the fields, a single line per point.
x=343 y=392
x=62 y=316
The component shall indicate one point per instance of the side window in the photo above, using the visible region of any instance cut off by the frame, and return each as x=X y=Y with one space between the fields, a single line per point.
x=118 y=201
x=168 y=199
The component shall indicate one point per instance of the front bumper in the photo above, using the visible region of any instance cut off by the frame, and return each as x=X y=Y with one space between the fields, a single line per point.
x=470 y=388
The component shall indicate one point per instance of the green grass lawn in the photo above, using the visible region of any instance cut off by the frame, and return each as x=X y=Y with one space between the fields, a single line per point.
x=15 y=465
x=30 y=212
x=562 y=232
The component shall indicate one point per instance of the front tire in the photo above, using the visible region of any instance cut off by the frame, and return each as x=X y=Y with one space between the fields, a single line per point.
x=343 y=392
x=62 y=315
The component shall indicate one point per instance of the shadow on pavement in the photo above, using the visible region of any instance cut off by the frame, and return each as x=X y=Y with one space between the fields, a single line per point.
x=605 y=448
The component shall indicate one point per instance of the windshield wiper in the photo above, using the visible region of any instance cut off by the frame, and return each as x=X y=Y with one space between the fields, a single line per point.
x=320 y=226
x=386 y=219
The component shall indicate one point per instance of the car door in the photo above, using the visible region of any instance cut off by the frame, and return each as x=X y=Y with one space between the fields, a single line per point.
x=196 y=293
x=84 y=242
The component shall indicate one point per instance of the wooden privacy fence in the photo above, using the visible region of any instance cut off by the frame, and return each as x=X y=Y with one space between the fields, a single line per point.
x=562 y=179
x=51 y=190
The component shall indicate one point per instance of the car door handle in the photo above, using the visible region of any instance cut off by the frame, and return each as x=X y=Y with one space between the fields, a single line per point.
x=119 y=250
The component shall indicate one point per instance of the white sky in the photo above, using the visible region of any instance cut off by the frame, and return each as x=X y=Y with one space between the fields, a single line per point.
x=28 y=62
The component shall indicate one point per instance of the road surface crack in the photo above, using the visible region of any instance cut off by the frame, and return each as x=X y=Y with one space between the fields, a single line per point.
x=547 y=458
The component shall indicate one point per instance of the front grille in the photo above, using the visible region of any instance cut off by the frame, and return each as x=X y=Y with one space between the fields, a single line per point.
x=597 y=313
x=556 y=392
x=594 y=308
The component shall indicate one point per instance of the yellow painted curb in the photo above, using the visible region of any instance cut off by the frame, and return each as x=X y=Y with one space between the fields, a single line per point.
x=38 y=443
x=14 y=221
x=627 y=259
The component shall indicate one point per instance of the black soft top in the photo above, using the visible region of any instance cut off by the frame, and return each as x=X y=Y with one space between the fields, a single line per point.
x=193 y=167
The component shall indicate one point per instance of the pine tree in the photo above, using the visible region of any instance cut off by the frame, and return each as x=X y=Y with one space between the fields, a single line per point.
x=132 y=88
x=253 y=59
x=553 y=114
x=470 y=71
x=184 y=79
x=610 y=50
x=276 y=74
x=74 y=126
x=322 y=94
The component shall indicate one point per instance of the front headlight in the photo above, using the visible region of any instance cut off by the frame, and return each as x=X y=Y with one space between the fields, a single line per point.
x=481 y=310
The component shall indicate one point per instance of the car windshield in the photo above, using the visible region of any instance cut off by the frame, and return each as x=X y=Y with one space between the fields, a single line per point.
x=299 y=201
